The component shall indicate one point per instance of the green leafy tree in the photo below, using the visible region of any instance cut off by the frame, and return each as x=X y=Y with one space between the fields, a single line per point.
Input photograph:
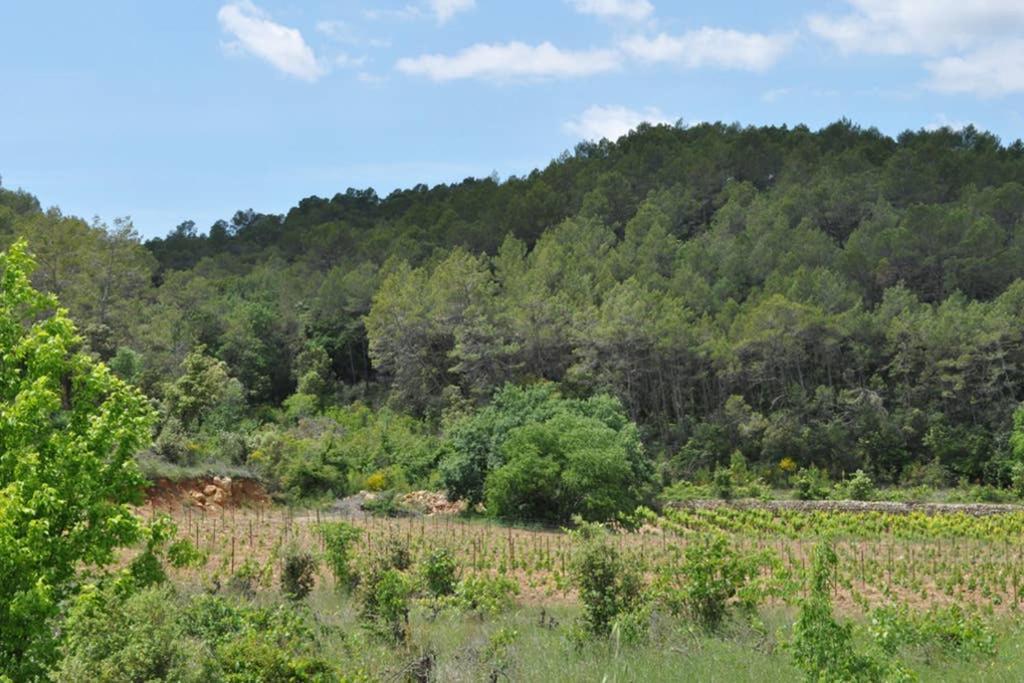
x=570 y=464
x=69 y=430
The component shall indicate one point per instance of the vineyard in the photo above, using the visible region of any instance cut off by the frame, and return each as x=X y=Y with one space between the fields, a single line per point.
x=917 y=558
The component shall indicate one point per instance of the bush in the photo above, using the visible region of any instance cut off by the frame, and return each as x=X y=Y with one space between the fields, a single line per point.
x=384 y=603
x=400 y=448
x=396 y=554
x=110 y=638
x=710 y=579
x=298 y=575
x=608 y=584
x=824 y=648
x=440 y=572
x=247 y=577
x=947 y=630
x=474 y=444
x=811 y=483
x=858 y=487
x=155 y=635
x=302 y=462
x=338 y=539
x=931 y=474
x=485 y=594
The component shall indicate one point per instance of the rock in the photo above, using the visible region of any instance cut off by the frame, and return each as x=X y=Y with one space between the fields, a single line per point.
x=210 y=489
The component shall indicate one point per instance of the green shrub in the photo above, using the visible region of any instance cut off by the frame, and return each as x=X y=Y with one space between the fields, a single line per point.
x=811 y=483
x=338 y=540
x=858 y=487
x=247 y=578
x=384 y=603
x=710 y=579
x=108 y=637
x=608 y=584
x=272 y=644
x=932 y=474
x=298 y=575
x=395 y=554
x=498 y=655
x=485 y=594
x=401 y=447
x=945 y=631
x=823 y=648
x=440 y=572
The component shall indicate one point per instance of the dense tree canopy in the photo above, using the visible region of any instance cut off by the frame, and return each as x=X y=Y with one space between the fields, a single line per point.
x=836 y=297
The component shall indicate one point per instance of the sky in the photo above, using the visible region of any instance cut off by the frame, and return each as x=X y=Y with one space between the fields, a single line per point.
x=193 y=109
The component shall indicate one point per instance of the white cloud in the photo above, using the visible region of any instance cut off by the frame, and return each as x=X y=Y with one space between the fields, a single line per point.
x=988 y=71
x=723 y=48
x=633 y=10
x=974 y=46
x=599 y=122
x=920 y=26
x=281 y=46
x=446 y=9
x=510 y=61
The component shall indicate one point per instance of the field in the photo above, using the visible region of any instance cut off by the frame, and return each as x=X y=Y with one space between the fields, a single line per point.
x=920 y=561
x=926 y=560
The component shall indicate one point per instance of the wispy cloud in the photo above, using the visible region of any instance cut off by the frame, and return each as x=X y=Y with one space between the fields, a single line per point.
x=282 y=47
x=441 y=10
x=611 y=122
x=971 y=47
x=343 y=32
x=632 y=10
x=510 y=61
x=987 y=72
x=919 y=26
x=711 y=47
x=446 y=9
x=347 y=61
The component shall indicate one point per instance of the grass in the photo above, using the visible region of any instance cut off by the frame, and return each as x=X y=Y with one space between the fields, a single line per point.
x=465 y=647
x=460 y=648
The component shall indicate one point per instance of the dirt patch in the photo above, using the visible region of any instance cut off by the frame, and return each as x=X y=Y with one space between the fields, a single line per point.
x=208 y=493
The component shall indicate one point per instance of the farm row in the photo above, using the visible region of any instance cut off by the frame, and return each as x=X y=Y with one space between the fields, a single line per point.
x=924 y=560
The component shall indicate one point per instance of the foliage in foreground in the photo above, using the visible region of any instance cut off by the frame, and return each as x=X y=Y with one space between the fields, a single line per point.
x=156 y=634
x=69 y=431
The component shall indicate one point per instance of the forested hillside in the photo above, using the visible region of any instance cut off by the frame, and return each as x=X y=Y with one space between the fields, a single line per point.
x=835 y=298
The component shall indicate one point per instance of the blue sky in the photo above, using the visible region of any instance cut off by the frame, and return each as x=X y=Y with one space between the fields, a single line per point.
x=167 y=111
